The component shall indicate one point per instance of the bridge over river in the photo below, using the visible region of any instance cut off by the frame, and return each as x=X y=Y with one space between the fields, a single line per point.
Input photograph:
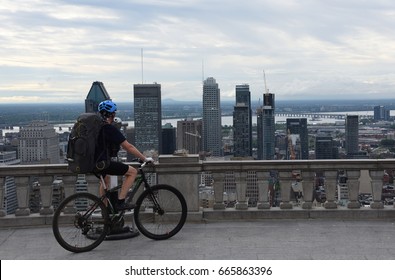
x=317 y=116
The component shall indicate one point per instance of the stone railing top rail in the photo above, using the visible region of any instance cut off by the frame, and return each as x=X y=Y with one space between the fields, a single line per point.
x=220 y=166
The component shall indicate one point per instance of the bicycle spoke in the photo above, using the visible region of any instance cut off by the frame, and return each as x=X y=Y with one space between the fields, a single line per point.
x=161 y=212
x=80 y=222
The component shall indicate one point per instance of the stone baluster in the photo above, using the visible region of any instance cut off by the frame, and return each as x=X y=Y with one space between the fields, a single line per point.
x=377 y=188
x=263 y=189
x=308 y=189
x=285 y=185
x=241 y=190
x=46 y=192
x=218 y=182
x=93 y=184
x=69 y=182
x=330 y=189
x=353 y=189
x=22 y=193
x=2 y=211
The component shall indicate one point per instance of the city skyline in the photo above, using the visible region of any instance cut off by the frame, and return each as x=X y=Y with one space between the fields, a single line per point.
x=53 y=51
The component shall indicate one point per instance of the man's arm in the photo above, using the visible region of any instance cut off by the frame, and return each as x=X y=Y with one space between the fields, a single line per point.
x=132 y=150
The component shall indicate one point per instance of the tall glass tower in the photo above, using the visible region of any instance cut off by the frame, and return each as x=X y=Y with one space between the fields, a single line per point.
x=266 y=128
x=212 y=136
x=148 y=117
x=96 y=94
x=242 y=122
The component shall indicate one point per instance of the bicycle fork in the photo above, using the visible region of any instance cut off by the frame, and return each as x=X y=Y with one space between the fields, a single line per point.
x=156 y=206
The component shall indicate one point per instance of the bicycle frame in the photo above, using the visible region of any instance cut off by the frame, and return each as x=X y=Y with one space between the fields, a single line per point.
x=140 y=179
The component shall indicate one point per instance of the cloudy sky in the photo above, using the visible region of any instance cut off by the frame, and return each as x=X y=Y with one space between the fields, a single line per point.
x=52 y=50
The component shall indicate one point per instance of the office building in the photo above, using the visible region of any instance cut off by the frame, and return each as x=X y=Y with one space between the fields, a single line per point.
x=242 y=122
x=241 y=136
x=352 y=136
x=10 y=198
x=96 y=94
x=297 y=139
x=212 y=129
x=130 y=136
x=189 y=135
x=39 y=144
x=324 y=147
x=266 y=128
x=148 y=117
x=380 y=113
x=168 y=139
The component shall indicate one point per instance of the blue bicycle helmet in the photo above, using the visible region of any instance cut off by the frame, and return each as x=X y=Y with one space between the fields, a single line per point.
x=107 y=106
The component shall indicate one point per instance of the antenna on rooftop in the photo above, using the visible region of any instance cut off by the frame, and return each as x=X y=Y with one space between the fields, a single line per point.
x=202 y=71
x=264 y=78
x=142 y=67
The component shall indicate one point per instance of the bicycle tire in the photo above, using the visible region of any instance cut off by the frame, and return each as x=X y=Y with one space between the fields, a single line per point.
x=81 y=222
x=155 y=223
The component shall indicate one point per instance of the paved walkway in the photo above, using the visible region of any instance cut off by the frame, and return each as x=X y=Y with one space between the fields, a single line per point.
x=244 y=240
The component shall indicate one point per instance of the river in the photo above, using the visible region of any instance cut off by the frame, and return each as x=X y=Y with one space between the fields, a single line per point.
x=228 y=120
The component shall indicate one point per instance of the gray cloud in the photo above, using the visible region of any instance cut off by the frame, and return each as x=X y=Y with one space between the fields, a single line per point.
x=54 y=50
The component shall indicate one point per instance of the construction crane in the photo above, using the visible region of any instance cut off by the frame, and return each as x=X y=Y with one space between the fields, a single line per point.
x=194 y=134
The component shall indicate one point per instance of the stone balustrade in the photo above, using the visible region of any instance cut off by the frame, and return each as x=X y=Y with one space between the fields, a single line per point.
x=185 y=172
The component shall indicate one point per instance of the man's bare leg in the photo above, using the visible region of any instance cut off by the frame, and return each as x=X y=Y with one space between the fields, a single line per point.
x=101 y=187
x=130 y=176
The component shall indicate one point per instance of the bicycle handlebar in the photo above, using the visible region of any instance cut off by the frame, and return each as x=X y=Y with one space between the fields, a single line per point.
x=142 y=163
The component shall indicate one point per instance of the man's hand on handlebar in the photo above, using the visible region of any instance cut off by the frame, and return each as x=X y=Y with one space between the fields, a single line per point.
x=147 y=160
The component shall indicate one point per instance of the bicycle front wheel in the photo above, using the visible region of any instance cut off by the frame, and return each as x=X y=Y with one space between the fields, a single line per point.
x=81 y=222
x=160 y=212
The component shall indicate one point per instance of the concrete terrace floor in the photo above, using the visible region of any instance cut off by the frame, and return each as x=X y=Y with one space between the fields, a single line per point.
x=304 y=239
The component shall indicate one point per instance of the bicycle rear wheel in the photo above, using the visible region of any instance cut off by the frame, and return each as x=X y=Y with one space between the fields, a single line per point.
x=81 y=222
x=160 y=212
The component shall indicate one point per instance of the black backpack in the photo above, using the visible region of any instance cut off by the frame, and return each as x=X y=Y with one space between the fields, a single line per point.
x=82 y=145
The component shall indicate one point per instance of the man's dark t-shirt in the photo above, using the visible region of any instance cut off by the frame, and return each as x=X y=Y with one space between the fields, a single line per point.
x=110 y=138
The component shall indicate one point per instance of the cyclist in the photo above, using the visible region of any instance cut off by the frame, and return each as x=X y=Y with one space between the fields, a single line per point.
x=113 y=140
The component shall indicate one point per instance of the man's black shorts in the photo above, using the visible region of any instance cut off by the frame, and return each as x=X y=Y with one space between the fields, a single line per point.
x=115 y=168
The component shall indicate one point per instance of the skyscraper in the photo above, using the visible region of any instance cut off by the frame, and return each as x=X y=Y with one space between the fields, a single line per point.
x=212 y=129
x=242 y=122
x=266 y=128
x=298 y=139
x=352 y=135
x=96 y=94
x=148 y=117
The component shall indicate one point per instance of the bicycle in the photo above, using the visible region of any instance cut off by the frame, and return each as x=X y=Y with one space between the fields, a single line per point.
x=82 y=221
